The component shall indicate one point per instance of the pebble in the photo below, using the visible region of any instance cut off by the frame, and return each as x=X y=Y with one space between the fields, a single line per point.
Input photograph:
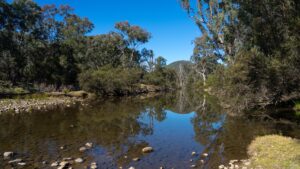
x=193 y=166
x=89 y=145
x=8 y=155
x=147 y=150
x=202 y=161
x=54 y=164
x=205 y=154
x=22 y=164
x=82 y=149
x=78 y=160
x=94 y=165
x=67 y=159
x=221 y=166
x=194 y=153
x=15 y=161
x=136 y=159
x=131 y=168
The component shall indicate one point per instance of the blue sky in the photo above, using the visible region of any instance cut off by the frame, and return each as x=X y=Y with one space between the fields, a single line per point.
x=171 y=28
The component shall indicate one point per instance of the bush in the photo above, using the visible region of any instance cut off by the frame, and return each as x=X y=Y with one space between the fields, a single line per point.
x=164 y=77
x=110 y=81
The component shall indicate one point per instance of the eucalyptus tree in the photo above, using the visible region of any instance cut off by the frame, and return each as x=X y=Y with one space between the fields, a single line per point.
x=134 y=36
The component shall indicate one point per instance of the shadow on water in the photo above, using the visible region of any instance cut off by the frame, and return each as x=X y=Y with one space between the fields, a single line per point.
x=174 y=124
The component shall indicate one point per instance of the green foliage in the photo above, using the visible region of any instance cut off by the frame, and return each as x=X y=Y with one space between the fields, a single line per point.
x=258 y=44
x=48 y=47
x=110 y=81
x=163 y=77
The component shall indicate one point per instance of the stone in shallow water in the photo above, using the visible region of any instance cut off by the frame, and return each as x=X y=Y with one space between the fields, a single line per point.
x=22 y=164
x=136 y=159
x=89 y=145
x=79 y=160
x=94 y=165
x=193 y=166
x=147 y=150
x=204 y=154
x=15 y=161
x=54 y=164
x=131 y=168
x=8 y=155
x=82 y=149
x=194 y=153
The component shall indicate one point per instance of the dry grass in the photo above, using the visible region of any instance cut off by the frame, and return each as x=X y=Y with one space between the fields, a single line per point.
x=275 y=152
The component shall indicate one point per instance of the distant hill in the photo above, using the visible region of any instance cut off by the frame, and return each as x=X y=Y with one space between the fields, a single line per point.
x=175 y=65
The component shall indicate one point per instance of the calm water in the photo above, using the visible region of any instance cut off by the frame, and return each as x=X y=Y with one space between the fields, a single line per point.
x=174 y=125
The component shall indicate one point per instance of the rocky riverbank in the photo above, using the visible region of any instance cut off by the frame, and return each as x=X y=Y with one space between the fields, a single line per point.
x=44 y=101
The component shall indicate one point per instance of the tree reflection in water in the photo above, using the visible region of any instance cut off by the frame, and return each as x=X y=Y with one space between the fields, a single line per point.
x=175 y=124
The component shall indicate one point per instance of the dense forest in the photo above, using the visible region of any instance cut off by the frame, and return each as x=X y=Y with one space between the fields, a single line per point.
x=248 y=53
x=49 y=48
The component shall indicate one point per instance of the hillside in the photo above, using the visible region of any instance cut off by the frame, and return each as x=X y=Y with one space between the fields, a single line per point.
x=175 y=65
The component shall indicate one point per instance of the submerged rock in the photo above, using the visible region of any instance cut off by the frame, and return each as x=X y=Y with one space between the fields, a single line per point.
x=193 y=166
x=136 y=159
x=194 y=153
x=131 y=168
x=147 y=150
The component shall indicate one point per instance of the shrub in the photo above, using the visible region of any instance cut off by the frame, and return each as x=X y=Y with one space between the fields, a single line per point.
x=110 y=81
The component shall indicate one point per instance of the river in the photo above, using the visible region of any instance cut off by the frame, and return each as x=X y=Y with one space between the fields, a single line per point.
x=174 y=125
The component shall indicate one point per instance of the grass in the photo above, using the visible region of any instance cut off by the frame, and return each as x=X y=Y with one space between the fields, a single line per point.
x=297 y=106
x=275 y=152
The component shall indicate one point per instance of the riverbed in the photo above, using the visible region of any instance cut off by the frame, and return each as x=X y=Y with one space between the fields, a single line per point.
x=183 y=131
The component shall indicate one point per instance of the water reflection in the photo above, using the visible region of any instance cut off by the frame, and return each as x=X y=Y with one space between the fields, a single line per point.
x=174 y=125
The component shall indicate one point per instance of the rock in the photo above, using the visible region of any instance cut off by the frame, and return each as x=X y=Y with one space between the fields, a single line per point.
x=8 y=155
x=247 y=163
x=136 y=159
x=233 y=161
x=94 y=165
x=131 y=168
x=147 y=150
x=221 y=166
x=63 y=165
x=54 y=164
x=89 y=145
x=194 y=153
x=204 y=154
x=62 y=147
x=22 y=164
x=67 y=159
x=15 y=161
x=79 y=160
x=161 y=167
x=44 y=162
x=82 y=149
x=202 y=161
x=193 y=166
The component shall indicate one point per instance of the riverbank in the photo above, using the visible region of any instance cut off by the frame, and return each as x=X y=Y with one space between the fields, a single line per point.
x=41 y=101
x=270 y=152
